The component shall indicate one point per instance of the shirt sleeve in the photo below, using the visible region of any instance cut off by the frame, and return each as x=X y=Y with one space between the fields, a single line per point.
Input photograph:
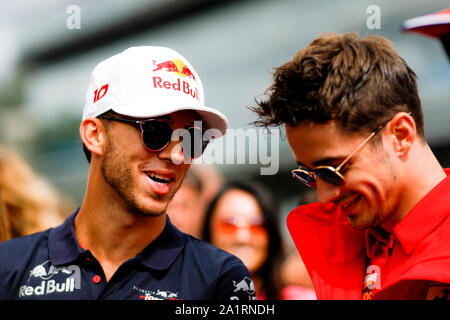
x=235 y=283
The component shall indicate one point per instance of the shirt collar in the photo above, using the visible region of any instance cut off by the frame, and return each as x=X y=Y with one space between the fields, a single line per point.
x=159 y=254
x=426 y=215
x=63 y=246
x=377 y=238
x=163 y=251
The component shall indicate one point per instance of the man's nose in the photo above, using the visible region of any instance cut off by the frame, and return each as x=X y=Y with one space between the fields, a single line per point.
x=326 y=192
x=174 y=152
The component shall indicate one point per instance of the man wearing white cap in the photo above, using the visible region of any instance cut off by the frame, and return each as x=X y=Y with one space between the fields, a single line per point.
x=144 y=120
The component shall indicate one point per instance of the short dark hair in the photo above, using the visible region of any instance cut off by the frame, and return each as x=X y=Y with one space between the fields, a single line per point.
x=359 y=83
x=269 y=272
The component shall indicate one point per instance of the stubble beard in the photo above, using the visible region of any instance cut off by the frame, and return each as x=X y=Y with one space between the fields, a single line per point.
x=375 y=218
x=119 y=176
x=361 y=223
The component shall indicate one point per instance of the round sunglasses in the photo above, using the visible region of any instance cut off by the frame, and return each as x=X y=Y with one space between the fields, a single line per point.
x=157 y=134
x=330 y=174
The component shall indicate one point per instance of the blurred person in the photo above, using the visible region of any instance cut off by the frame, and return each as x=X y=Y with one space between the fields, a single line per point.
x=212 y=180
x=354 y=121
x=293 y=269
x=242 y=219
x=294 y=272
x=186 y=209
x=142 y=124
x=30 y=203
x=435 y=25
x=4 y=226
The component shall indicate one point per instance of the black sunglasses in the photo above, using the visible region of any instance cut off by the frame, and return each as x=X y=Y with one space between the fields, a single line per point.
x=157 y=134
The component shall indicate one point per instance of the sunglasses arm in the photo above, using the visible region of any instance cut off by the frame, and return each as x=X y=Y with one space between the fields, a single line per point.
x=357 y=149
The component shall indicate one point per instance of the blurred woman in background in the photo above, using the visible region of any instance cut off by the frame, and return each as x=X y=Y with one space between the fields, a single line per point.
x=4 y=228
x=186 y=209
x=29 y=202
x=242 y=219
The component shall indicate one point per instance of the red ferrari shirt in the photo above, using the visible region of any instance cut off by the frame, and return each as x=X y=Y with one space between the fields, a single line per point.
x=379 y=249
x=411 y=263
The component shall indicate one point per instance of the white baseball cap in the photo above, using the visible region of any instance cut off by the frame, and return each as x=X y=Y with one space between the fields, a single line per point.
x=146 y=82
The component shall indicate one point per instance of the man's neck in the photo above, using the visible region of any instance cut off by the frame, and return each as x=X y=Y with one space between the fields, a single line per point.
x=114 y=235
x=424 y=174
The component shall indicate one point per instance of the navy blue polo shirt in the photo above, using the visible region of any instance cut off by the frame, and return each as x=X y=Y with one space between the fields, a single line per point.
x=52 y=265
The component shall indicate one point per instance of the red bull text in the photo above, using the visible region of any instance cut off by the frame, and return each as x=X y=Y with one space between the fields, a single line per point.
x=180 y=69
x=178 y=85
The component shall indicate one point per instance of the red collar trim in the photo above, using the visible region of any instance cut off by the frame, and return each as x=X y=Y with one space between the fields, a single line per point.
x=426 y=215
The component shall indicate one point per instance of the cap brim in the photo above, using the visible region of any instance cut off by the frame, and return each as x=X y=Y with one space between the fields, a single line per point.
x=212 y=118
x=435 y=25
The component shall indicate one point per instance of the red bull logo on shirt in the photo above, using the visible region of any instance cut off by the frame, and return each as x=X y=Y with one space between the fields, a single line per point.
x=246 y=285
x=47 y=279
x=177 y=67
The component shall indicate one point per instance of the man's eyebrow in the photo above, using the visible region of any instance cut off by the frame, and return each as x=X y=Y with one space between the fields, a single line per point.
x=301 y=164
x=167 y=117
x=186 y=124
x=322 y=162
x=328 y=161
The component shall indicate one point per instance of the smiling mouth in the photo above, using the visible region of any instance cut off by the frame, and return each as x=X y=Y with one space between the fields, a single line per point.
x=159 y=179
x=350 y=203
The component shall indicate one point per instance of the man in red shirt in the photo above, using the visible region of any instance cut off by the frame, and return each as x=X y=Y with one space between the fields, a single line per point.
x=353 y=118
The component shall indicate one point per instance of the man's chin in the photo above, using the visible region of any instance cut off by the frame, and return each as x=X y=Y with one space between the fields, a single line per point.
x=150 y=204
x=149 y=214
x=358 y=223
x=149 y=208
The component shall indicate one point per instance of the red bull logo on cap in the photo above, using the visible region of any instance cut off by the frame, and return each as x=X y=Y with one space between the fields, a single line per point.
x=177 y=66
x=180 y=69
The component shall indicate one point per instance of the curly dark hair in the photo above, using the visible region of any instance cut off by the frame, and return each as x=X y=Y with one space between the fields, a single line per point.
x=360 y=83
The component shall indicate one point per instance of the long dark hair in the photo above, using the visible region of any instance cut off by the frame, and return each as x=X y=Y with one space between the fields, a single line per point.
x=269 y=271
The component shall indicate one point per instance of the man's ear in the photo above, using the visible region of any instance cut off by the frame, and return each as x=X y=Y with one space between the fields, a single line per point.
x=402 y=129
x=93 y=135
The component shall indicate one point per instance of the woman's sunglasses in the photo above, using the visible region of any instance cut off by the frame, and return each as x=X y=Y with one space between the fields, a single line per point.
x=328 y=173
x=231 y=226
x=157 y=134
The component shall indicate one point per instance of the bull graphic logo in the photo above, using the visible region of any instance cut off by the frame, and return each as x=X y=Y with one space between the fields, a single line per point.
x=245 y=285
x=176 y=66
x=167 y=294
x=40 y=271
x=159 y=295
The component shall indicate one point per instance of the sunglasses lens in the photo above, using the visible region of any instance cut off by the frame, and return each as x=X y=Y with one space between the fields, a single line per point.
x=304 y=177
x=156 y=134
x=229 y=228
x=196 y=145
x=329 y=176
